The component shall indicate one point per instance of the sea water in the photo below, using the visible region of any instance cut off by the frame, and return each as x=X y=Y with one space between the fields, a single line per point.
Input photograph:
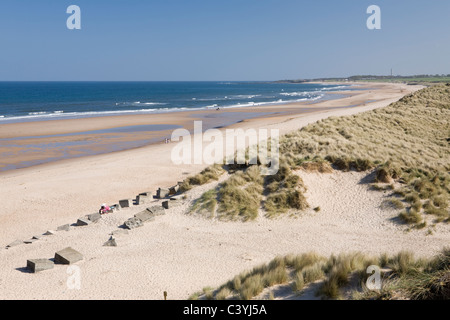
x=35 y=101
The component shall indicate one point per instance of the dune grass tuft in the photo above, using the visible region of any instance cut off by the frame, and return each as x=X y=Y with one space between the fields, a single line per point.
x=240 y=196
x=410 y=216
x=299 y=282
x=206 y=204
x=285 y=191
x=211 y=173
x=395 y=203
x=314 y=272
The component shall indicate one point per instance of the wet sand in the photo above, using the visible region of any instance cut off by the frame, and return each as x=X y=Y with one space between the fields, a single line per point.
x=32 y=143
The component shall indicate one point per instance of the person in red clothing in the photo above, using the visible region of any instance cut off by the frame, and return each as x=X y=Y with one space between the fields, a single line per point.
x=104 y=209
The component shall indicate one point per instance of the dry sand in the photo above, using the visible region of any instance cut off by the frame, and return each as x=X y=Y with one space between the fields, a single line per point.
x=179 y=253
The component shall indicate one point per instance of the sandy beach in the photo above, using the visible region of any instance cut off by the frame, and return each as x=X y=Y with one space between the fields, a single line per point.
x=179 y=253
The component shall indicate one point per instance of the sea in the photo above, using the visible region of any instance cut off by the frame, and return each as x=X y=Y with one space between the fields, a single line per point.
x=37 y=101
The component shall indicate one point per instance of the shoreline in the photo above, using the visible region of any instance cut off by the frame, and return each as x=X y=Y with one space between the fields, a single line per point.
x=19 y=138
x=146 y=107
x=73 y=184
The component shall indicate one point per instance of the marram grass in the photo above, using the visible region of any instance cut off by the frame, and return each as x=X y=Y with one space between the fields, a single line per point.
x=403 y=277
x=406 y=142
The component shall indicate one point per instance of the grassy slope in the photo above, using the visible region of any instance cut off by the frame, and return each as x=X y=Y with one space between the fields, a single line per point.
x=403 y=277
x=406 y=142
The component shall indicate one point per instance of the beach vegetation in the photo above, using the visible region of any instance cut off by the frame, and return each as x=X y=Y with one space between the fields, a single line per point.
x=209 y=174
x=410 y=216
x=396 y=203
x=345 y=276
x=404 y=143
x=298 y=282
x=207 y=203
x=313 y=272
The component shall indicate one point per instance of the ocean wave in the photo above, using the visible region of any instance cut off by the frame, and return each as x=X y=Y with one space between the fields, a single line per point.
x=298 y=94
x=37 y=113
x=211 y=99
x=232 y=97
x=244 y=96
x=316 y=91
x=62 y=115
x=335 y=88
x=59 y=114
x=275 y=102
x=65 y=115
x=138 y=103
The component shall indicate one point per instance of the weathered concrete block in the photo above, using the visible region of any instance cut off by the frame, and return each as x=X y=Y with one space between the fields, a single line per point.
x=50 y=233
x=94 y=217
x=37 y=265
x=133 y=223
x=171 y=204
x=157 y=210
x=126 y=203
x=36 y=237
x=68 y=256
x=145 y=216
x=65 y=227
x=110 y=243
x=162 y=193
x=29 y=241
x=141 y=199
x=14 y=243
x=83 y=222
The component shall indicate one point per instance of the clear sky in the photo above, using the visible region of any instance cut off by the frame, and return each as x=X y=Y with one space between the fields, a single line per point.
x=172 y=40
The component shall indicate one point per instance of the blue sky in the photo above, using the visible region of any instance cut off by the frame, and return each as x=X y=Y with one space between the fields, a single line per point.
x=170 y=40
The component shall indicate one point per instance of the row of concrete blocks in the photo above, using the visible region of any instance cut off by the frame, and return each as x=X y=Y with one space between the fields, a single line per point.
x=66 y=256
x=142 y=198
x=147 y=215
x=70 y=256
x=86 y=220
x=146 y=197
